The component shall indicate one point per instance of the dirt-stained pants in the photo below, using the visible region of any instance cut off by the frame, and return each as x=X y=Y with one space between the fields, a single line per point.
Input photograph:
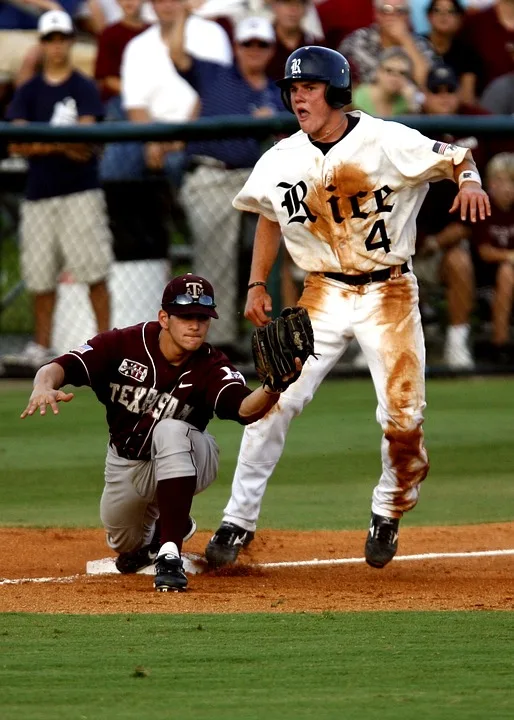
x=384 y=317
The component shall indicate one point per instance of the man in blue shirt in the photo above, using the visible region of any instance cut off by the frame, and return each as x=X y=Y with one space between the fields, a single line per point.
x=63 y=218
x=219 y=168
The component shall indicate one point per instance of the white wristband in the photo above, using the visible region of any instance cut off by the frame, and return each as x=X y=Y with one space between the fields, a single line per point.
x=469 y=176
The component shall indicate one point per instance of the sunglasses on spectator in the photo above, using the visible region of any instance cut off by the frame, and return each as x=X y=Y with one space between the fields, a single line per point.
x=394 y=9
x=395 y=71
x=256 y=44
x=188 y=299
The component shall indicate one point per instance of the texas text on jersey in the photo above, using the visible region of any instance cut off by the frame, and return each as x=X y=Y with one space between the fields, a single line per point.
x=139 y=387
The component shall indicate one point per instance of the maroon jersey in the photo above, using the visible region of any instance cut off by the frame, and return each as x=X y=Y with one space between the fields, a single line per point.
x=132 y=378
x=497 y=229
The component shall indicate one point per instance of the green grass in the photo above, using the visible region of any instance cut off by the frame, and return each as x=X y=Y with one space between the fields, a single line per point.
x=382 y=665
x=52 y=467
x=355 y=666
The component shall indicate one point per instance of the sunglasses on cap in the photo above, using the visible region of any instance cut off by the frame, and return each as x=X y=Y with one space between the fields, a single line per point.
x=188 y=299
x=256 y=44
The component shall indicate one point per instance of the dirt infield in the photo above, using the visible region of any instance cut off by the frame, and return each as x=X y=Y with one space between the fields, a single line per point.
x=485 y=583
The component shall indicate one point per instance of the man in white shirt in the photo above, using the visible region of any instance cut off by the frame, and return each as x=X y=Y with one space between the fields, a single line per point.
x=153 y=91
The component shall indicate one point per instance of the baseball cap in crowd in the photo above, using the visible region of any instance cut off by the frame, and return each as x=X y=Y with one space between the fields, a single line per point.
x=254 y=28
x=55 y=21
x=189 y=294
x=442 y=76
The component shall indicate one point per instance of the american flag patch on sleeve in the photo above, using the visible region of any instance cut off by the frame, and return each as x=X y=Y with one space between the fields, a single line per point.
x=440 y=147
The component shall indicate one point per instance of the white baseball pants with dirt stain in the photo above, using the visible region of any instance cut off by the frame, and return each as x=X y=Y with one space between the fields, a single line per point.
x=384 y=317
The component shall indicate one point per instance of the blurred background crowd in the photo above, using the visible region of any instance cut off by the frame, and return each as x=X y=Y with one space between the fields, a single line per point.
x=110 y=223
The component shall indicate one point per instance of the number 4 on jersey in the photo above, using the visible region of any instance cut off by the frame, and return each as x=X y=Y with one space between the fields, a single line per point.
x=382 y=241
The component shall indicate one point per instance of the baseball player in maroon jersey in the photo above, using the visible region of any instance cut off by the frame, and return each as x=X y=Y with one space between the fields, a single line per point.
x=161 y=383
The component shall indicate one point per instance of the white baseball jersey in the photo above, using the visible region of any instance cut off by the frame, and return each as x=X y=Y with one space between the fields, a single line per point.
x=372 y=182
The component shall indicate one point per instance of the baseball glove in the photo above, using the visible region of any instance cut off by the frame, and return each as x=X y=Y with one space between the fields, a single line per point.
x=276 y=345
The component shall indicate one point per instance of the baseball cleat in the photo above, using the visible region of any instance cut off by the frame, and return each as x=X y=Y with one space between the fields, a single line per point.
x=382 y=541
x=131 y=562
x=225 y=544
x=169 y=571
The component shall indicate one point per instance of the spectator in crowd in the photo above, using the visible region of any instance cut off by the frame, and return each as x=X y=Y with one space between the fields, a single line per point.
x=63 y=220
x=391 y=29
x=392 y=92
x=339 y=18
x=442 y=250
x=418 y=12
x=102 y=13
x=230 y=12
x=491 y=33
x=111 y=44
x=153 y=91
x=442 y=256
x=20 y=55
x=495 y=242
x=446 y=18
x=498 y=97
x=289 y=34
x=220 y=168
x=442 y=95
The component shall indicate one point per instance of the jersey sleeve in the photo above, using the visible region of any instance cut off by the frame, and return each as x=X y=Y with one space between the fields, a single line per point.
x=418 y=158
x=226 y=391
x=254 y=196
x=92 y=361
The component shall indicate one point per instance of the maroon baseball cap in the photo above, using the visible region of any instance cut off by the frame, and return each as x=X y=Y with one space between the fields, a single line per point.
x=189 y=294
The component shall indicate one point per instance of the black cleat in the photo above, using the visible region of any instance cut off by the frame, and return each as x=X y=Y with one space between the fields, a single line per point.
x=225 y=544
x=382 y=540
x=131 y=562
x=169 y=571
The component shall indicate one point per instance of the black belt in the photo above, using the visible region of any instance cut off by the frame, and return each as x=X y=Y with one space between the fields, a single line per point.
x=375 y=276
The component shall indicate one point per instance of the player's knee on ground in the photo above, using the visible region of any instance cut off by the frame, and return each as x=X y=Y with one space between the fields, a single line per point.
x=124 y=539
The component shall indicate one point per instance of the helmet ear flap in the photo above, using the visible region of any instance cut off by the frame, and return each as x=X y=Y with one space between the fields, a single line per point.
x=286 y=98
x=337 y=98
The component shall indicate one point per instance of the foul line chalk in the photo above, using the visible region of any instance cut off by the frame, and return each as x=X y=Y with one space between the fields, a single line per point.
x=355 y=561
x=101 y=567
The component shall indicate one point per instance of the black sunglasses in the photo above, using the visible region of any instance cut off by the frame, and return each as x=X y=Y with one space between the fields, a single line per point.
x=188 y=299
x=256 y=43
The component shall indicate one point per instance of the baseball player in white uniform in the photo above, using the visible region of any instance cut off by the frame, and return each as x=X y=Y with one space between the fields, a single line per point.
x=344 y=193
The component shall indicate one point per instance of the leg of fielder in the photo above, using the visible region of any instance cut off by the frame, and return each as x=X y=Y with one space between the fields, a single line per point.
x=394 y=349
x=263 y=442
x=186 y=462
x=132 y=500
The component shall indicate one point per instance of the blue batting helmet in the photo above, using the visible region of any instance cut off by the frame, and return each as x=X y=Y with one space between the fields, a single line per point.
x=318 y=63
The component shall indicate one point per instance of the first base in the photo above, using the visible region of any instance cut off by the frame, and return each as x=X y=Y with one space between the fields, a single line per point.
x=193 y=565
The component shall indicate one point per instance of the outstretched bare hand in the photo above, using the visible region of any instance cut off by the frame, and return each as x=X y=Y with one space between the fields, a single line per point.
x=471 y=198
x=41 y=398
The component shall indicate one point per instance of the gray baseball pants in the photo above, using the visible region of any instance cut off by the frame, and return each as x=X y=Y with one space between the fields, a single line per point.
x=128 y=507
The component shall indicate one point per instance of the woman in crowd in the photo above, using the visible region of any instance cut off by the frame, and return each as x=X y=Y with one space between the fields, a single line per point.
x=393 y=91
